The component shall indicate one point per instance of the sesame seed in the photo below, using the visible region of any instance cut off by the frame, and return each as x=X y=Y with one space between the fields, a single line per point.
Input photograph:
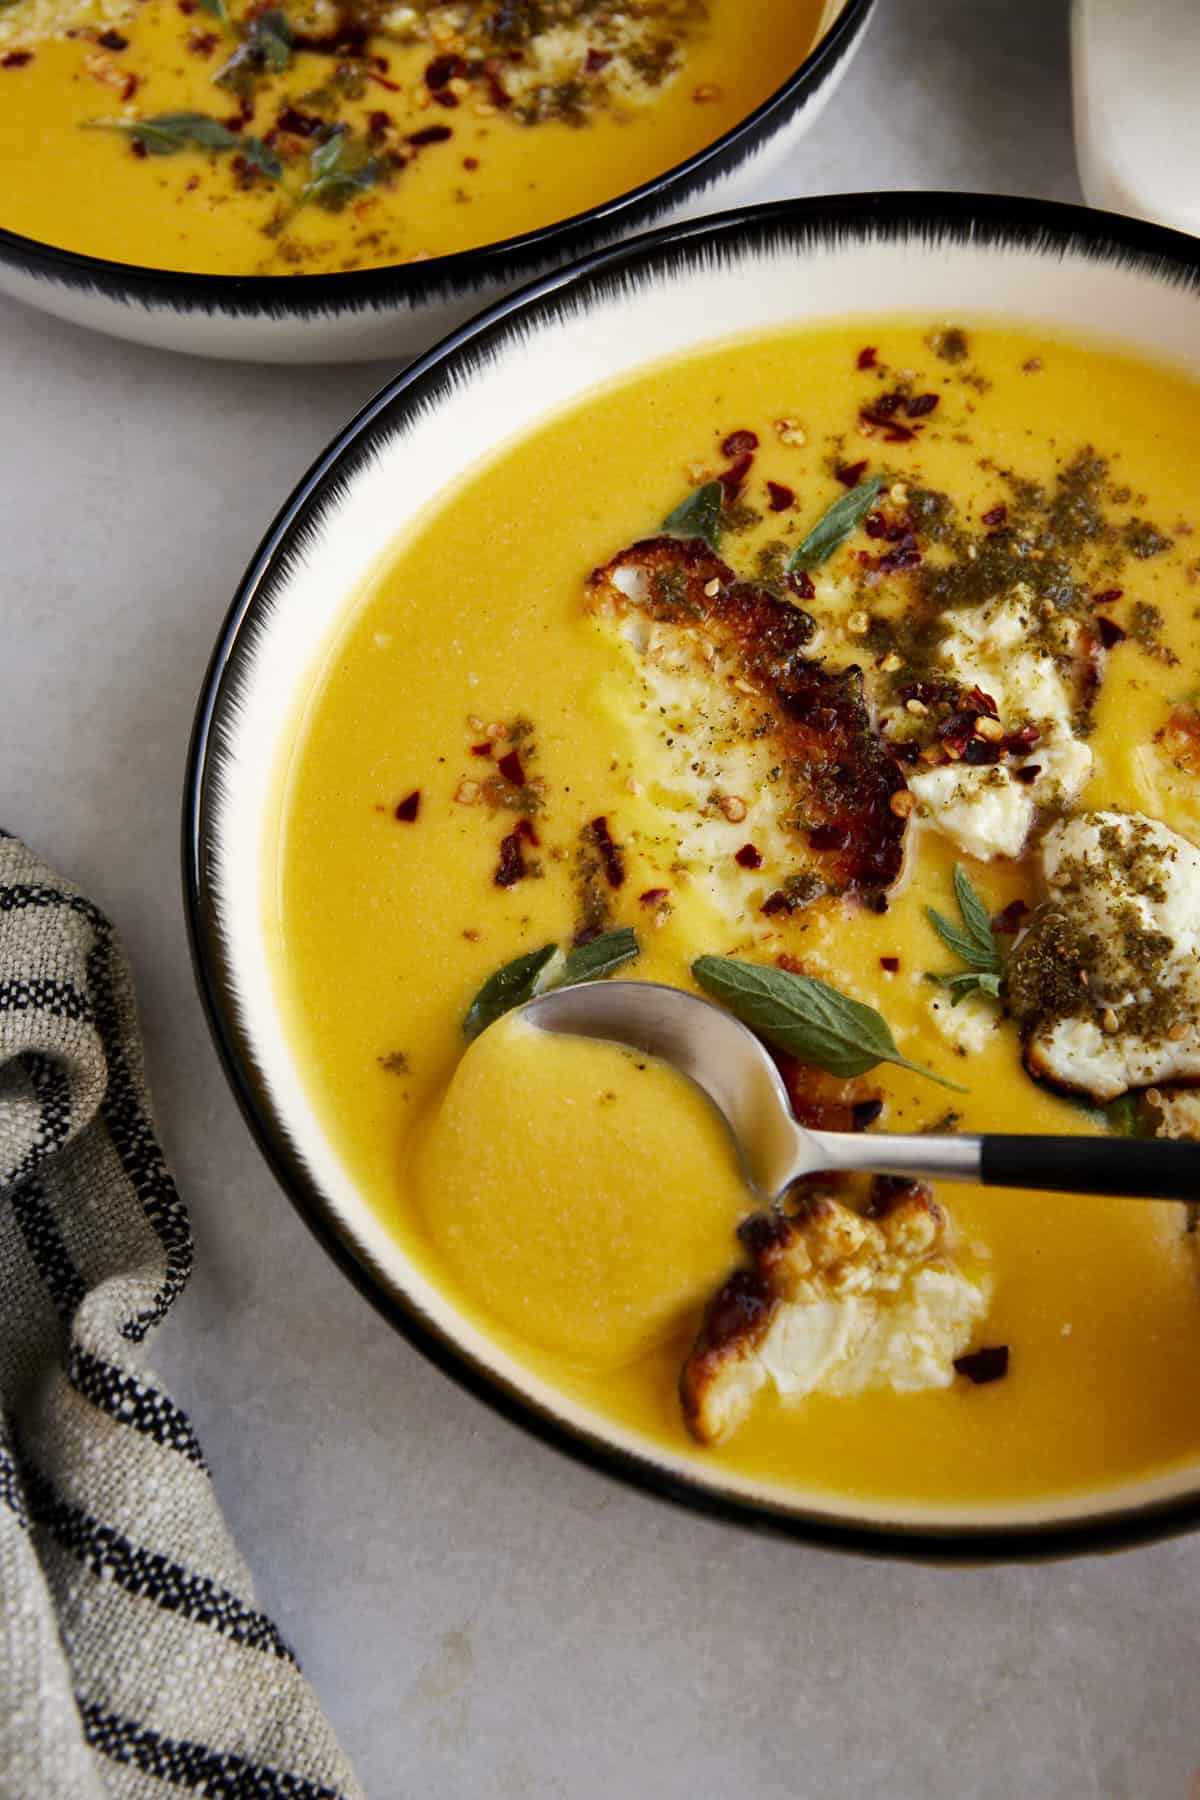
x=734 y=808
x=1178 y=1031
x=1110 y=1021
x=858 y=624
x=917 y=708
x=467 y=793
x=902 y=803
x=989 y=729
x=712 y=588
x=890 y=663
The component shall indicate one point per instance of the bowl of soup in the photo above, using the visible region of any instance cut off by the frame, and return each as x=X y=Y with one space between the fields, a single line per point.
x=799 y=608
x=324 y=181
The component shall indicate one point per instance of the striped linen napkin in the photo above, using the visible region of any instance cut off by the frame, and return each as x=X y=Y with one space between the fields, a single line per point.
x=133 y=1660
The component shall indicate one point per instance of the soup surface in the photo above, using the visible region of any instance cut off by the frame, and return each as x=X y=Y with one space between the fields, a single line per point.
x=312 y=138
x=921 y=632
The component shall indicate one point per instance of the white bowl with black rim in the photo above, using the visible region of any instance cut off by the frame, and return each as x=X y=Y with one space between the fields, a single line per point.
x=1025 y=263
x=399 y=310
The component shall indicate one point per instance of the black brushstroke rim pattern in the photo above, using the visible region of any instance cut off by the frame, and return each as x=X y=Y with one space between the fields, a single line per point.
x=988 y=221
x=411 y=287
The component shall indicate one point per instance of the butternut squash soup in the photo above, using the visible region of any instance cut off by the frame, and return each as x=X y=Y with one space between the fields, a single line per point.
x=228 y=139
x=849 y=674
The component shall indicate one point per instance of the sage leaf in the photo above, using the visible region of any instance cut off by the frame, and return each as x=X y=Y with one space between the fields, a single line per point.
x=970 y=982
x=805 y=1017
x=266 y=49
x=339 y=169
x=699 y=516
x=168 y=133
x=216 y=9
x=508 y=987
x=591 y=962
x=837 y=525
x=261 y=157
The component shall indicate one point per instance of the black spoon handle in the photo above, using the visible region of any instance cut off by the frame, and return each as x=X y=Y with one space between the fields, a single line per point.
x=1143 y=1169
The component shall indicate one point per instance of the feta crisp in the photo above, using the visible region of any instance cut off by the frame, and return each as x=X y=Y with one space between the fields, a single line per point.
x=1106 y=982
x=833 y=1303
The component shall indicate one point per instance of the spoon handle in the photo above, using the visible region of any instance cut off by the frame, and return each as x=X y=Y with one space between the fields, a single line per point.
x=1139 y=1168
x=1146 y=1169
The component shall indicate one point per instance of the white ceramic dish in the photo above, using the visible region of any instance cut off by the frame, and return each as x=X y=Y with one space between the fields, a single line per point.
x=939 y=256
x=396 y=312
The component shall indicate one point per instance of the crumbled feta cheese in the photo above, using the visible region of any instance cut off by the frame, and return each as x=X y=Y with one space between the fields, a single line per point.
x=967 y=1026
x=984 y=810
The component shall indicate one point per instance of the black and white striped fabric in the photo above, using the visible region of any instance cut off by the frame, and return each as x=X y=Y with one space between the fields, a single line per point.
x=133 y=1659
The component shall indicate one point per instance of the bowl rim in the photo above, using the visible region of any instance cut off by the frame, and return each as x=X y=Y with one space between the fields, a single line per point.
x=988 y=219
x=508 y=260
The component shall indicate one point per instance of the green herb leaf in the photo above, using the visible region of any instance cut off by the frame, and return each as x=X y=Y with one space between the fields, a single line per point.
x=168 y=133
x=975 y=943
x=339 y=169
x=838 y=524
x=807 y=1018
x=699 y=516
x=590 y=962
x=261 y=157
x=971 y=982
x=266 y=49
x=508 y=987
x=216 y=9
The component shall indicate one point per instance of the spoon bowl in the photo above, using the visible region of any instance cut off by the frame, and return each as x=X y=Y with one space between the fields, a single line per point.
x=729 y=1064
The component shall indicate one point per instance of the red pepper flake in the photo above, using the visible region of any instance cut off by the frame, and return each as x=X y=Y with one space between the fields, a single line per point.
x=891 y=964
x=800 y=583
x=779 y=496
x=917 y=406
x=610 y=854
x=137 y=148
x=995 y=517
x=982 y=1366
x=749 y=857
x=879 y=418
x=130 y=86
x=112 y=40
x=867 y=358
x=982 y=703
x=653 y=896
x=829 y=837
x=511 y=867
x=409 y=807
x=442 y=96
x=1027 y=775
x=301 y=124
x=1110 y=632
x=526 y=829
x=16 y=59
x=739 y=443
x=904 y=556
x=510 y=767
x=850 y=474
x=470 y=162
x=1009 y=922
x=597 y=60
x=188 y=7
x=378 y=125
x=733 y=478
x=429 y=134
x=444 y=69
x=481 y=749
x=1107 y=596
x=393 y=87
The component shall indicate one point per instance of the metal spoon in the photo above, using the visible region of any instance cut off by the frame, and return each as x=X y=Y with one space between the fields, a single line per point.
x=729 y=1064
